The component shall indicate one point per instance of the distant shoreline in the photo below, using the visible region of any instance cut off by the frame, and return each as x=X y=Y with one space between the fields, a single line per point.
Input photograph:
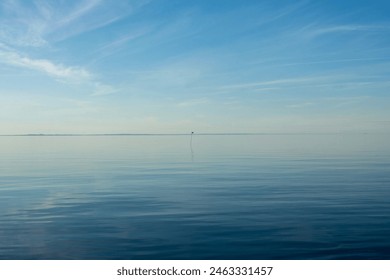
x=180 y=134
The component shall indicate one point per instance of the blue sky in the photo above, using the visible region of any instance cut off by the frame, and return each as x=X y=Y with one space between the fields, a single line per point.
x=154 y=66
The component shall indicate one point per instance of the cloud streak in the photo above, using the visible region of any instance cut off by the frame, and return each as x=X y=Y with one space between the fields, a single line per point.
x=83 y=8
x=42 y=23
x=277 y=82
x=103 y=89
x=45 y=66
x=69 y=74
x=315 y=30
x=38 y=25
x=194 y=102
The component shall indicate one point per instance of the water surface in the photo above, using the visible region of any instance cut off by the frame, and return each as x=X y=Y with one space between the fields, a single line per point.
x=226 y=197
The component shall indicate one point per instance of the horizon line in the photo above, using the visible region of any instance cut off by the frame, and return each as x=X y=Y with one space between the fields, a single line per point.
x=183 y=134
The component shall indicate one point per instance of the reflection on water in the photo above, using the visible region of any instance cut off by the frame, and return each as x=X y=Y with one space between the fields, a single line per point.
x=227 y=197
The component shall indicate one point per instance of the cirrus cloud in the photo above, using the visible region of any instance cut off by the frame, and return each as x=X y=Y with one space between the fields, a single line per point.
x=48 y=67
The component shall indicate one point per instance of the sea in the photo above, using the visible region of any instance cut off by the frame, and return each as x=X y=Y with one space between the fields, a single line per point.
x=195 y=197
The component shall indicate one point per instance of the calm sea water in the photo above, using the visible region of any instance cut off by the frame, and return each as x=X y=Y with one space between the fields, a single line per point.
x=226 y=197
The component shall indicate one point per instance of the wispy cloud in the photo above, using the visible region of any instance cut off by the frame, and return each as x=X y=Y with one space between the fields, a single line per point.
x=91 y=15
x=41 y=22
x=28 y=28
x=194 y=102
x=43 y=65
x=334 y=102
x=69 y=74
x=277 y=82
x=300 y=105
x=345 y=80
x=83 y=8
x=21 y=25
x=103 y=89
x=368 y=59
x=313 y=31
x=112 y=46
x=342 y=101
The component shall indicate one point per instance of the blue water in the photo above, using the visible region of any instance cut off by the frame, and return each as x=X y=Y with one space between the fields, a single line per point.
x=224 y=197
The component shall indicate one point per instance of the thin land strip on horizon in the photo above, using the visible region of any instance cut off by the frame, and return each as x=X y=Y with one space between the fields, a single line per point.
x=183 y=134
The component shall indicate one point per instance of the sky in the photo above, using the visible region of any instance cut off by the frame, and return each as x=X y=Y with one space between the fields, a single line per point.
x=220 y=66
